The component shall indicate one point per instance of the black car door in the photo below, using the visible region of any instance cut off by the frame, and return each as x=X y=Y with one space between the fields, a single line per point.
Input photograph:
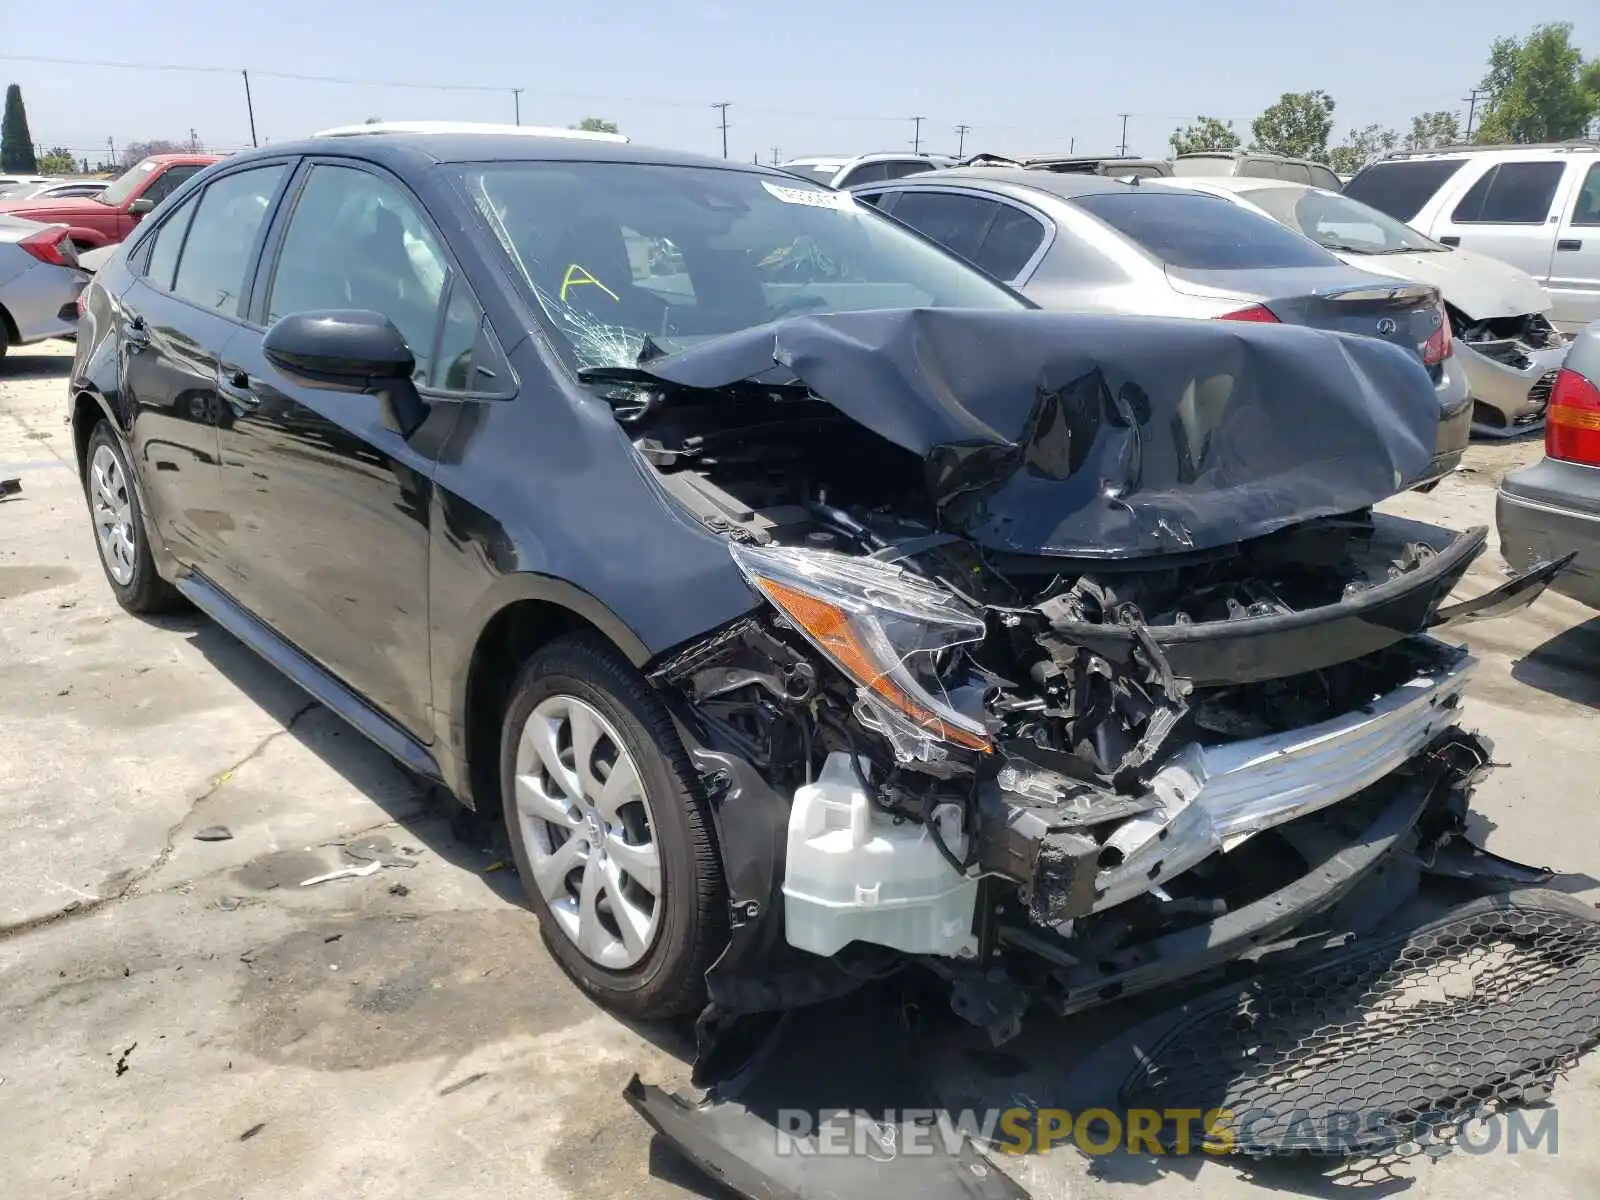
x=176 y=319
x=328 y=542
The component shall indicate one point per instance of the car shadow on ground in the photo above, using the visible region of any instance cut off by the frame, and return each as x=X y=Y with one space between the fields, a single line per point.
x=1568 y=665
x=428 y=814
x=19 y=364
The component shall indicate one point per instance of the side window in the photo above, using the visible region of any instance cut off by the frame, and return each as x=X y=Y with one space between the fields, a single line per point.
x=222 y=237
x=872 y=198
x=1323 y=178
x=452 y=370
x=957 y=223
x=1513 y=193
x=872 y=172
x=355 y=240
x=1586 y=208
x=167 y=182
x=1011 y=241
x=900 y=168
x=168 y=240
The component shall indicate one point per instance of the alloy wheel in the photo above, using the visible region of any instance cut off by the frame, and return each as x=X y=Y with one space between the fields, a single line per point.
x=113 y=515
x=589 y=832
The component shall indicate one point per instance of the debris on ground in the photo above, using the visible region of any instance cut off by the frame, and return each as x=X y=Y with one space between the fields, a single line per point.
x=378 y=850
x=343 y=873
x=10 y=487
x=494 y=866
x=214 y=833
x=122 y=1061
x=399 y=889
x=252 y=1131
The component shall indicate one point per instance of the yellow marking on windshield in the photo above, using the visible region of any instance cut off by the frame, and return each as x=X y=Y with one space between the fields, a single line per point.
x=576 y=276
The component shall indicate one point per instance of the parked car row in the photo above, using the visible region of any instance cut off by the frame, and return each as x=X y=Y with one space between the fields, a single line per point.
x=1085 y=243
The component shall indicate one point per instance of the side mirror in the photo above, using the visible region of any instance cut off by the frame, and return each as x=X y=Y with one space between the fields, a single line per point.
x=350 y=350
x=141 y=206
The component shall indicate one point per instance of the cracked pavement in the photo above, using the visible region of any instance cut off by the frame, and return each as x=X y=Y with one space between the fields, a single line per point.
x=182 y=1019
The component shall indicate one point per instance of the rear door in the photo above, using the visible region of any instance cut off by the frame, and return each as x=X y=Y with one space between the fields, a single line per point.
x=176 y=322
x=1575 y=265
x=1507 y=211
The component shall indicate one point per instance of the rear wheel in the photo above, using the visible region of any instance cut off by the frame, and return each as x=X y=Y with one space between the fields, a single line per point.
x=119 y=529
x=610 y=833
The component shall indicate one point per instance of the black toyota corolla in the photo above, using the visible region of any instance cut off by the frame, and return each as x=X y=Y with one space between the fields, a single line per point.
x=807 y=602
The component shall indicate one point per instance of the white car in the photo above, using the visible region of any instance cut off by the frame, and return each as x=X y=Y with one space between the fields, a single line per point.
x=1536 y=207
x=842 y=171
x=1506 y=345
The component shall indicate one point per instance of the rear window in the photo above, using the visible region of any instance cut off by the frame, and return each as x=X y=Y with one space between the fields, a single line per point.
x=1203 y=233
x=1203 y=165
x=1402 y=188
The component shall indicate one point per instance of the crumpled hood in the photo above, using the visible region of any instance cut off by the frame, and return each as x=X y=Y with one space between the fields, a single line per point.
x=1102 y=436
x=1482 y=288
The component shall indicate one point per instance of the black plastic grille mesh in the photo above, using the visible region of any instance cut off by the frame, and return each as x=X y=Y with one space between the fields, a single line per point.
x=1387 y=1051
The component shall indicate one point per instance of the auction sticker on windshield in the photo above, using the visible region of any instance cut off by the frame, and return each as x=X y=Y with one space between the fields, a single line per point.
x=815 y=197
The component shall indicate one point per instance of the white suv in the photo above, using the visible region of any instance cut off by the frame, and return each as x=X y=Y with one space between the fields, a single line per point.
x=1535 y=207
x=841 y=172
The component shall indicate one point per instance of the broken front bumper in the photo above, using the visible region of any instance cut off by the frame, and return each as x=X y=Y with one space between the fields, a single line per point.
x=1509 y=399
x=1212 y=798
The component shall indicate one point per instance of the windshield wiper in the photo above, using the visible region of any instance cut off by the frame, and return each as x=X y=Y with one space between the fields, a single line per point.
x=1344 y=247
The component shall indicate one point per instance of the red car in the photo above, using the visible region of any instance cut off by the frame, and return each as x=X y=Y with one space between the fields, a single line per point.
x=106 y=219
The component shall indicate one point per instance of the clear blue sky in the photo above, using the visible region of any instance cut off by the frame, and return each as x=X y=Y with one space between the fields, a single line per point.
x=807 y=76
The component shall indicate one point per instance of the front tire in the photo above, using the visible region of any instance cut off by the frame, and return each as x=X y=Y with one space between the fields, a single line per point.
x=119 y=532
x=610 y=832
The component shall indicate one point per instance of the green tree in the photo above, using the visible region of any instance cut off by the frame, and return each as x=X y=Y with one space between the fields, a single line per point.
x=596 y=125
x=1208 y=133
x=1540 y=88
x=1432 y=130
x=1361 y=146
x=16 y=143
x=58 y=161
x=1298 y=125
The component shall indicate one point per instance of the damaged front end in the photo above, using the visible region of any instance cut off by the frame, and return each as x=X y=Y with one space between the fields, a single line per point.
x=1510 y=364
x=1078 y=671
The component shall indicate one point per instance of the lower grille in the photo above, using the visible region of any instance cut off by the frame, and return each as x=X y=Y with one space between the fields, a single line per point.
x=1406 y=1038
x=1538 y=398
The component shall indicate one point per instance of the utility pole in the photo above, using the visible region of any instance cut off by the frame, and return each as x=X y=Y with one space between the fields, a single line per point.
x=250 y=107
x=1123 y=150
x=516 y=104
x=722 y=105
x=961 y=139
x=194 y=140
x=1472 y=109
x=111 y=145
x=774 y=156
x=916 y=135
x=1072 y=145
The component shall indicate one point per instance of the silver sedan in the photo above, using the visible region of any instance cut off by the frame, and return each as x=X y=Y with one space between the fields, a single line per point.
x=1504 y=341
x=39 y=282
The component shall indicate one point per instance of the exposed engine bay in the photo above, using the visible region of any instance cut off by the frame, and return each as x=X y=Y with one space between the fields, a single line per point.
x=1510 y=340
x=1039 y=772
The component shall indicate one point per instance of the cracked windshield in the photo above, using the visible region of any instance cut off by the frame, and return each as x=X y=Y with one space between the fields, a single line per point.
x=627 y=259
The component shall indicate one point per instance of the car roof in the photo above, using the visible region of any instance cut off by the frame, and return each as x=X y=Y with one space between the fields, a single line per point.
x=1066 y=186
x=400 y=148
x=183 y=160
x=1232 y=183
x=1528 y=150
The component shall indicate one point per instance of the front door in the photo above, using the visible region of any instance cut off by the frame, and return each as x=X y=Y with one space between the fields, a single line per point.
x=177 y=319
x=330 y=507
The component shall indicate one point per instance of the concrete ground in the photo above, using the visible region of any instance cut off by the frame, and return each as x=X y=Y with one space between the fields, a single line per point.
x=179 y=1018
